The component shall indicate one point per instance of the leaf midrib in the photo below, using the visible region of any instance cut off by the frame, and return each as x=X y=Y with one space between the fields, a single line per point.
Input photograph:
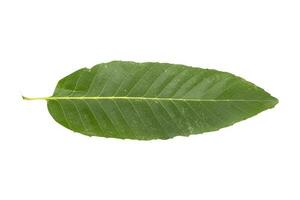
x=145 y=98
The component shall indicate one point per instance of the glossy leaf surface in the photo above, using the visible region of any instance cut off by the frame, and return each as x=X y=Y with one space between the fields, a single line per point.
x=153 y=100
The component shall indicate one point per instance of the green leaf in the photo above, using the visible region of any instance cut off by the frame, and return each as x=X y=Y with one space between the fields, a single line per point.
x=147 y=101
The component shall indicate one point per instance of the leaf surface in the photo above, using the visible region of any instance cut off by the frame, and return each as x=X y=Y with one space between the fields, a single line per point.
x=153 y=100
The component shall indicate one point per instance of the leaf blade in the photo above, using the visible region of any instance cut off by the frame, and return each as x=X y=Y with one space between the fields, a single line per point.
x=155 y=100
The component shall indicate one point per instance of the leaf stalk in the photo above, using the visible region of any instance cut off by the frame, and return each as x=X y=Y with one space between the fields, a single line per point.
x=34 y=98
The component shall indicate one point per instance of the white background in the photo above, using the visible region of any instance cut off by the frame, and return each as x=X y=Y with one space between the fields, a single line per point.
x=43 y=41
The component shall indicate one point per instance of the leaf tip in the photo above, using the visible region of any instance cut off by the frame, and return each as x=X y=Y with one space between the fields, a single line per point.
x=274 y=102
